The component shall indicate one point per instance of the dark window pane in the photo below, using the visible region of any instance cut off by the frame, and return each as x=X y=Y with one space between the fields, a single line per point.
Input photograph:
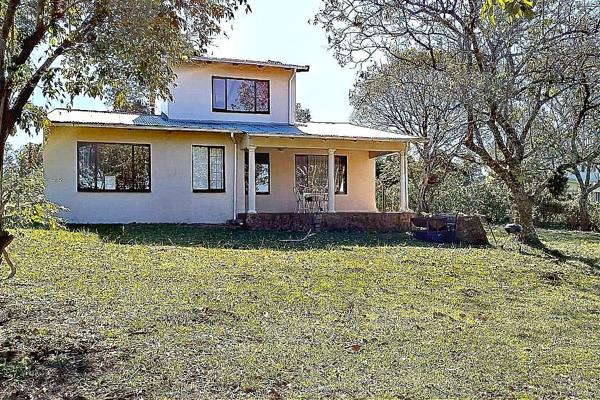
x=311 y=173
x=219 y=93
x=115 y=167
x=262 y=96
x=302 y=173
x=141 y=163
x=341 y=174
x=86 y=154
x=200 y=168
x=240 y=95
x=263 y=173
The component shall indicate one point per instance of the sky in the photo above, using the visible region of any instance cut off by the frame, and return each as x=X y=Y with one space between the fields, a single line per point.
x=274 y=30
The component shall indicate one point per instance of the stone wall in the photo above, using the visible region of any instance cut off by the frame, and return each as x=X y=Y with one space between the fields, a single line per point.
x=349 y=222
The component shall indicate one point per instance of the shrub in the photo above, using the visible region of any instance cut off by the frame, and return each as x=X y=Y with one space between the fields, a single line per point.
x=23 y=194
x=464 y=194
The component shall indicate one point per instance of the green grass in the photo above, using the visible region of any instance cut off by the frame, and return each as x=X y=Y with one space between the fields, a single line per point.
x=188 y=313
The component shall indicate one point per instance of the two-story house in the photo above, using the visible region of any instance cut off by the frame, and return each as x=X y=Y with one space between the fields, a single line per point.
x=226 y=145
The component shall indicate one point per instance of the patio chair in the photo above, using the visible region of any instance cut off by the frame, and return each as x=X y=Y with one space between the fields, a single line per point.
x=300 y=201
x=321 y=200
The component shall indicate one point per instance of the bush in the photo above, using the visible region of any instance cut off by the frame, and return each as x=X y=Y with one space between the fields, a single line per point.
x=463 y=194
x=26 y=205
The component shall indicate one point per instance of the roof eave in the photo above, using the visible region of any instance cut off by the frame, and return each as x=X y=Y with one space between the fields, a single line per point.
x=259 y=64
x=142 y=127
x=324 y=137
x=237 y=131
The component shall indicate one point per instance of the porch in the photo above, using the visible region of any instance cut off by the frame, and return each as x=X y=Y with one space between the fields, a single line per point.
x=279 y=177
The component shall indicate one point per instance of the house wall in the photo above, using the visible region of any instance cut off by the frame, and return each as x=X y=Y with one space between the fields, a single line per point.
x=192 y=94
x=171 y=199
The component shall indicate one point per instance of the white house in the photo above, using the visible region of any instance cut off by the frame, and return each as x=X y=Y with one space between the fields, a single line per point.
x=226 y=145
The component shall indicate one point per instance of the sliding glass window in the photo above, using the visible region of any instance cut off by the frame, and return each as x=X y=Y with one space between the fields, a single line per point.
x=113 y=167
x=249 y=96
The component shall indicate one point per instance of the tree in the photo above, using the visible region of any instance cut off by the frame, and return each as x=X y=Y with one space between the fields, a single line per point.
x=66 y=48
x=573 y=121
x=403 y=97
x=302 y=114
x=512 y=8
x=505 y=73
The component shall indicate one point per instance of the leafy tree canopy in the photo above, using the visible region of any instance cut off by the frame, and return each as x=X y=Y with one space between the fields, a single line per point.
x=68 y=48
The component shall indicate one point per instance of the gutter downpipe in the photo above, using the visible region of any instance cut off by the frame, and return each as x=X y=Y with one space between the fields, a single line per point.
x=235 y=175
x=290 y=108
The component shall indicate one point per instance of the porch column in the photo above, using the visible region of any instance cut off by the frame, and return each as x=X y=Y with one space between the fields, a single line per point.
x=403 y=181
x=251 y=179
x=331 y=181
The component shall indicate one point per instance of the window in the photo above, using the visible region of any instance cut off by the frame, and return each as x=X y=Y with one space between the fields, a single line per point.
x=263 y=173
x=597 y=197
x=311 y=173
x=113 y=167
x=241 y=95
x=208 y=169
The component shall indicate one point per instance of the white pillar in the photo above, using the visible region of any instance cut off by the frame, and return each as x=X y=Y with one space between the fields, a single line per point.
x=403 y=182
x=331 y=181
x=251 y=179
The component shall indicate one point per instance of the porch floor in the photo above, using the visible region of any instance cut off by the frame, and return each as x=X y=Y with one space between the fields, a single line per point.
x=343 y=221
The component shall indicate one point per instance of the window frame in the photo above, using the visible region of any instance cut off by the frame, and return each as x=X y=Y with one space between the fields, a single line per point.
x=209 y=190
x=96 y=190
x=337 y=193
x=246 y=164
x=225 y=110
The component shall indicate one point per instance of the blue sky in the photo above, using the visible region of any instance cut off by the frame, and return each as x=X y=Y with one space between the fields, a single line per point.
x=276 y=30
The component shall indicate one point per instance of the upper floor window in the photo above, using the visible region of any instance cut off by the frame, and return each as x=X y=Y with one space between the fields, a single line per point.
x=241 y=95
x=113 y=167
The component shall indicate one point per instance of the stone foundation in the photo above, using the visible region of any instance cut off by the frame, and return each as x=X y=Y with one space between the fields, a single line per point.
x=344 y=221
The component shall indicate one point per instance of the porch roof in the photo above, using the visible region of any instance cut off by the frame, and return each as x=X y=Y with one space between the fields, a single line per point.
x=320 y=130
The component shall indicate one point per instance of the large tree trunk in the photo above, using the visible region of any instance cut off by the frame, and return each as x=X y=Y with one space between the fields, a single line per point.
x=585 y=222
x=523 y=203
x=422 y=206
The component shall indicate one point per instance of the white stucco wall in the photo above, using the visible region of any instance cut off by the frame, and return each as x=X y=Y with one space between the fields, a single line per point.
x=192 y=95
x=171 y=199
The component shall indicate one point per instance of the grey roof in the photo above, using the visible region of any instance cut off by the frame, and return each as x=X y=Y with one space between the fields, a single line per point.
x=323 y=130
x=268 y=63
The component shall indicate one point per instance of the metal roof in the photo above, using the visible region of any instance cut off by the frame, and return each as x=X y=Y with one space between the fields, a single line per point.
x=322 y=130
x=268 y=63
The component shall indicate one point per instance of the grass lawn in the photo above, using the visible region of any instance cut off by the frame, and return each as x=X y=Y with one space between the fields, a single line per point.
x=190 y=313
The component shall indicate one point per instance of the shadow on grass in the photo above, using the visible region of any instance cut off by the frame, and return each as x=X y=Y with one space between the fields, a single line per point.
x=235 y=238
x=561 y=256
x=593 y=263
